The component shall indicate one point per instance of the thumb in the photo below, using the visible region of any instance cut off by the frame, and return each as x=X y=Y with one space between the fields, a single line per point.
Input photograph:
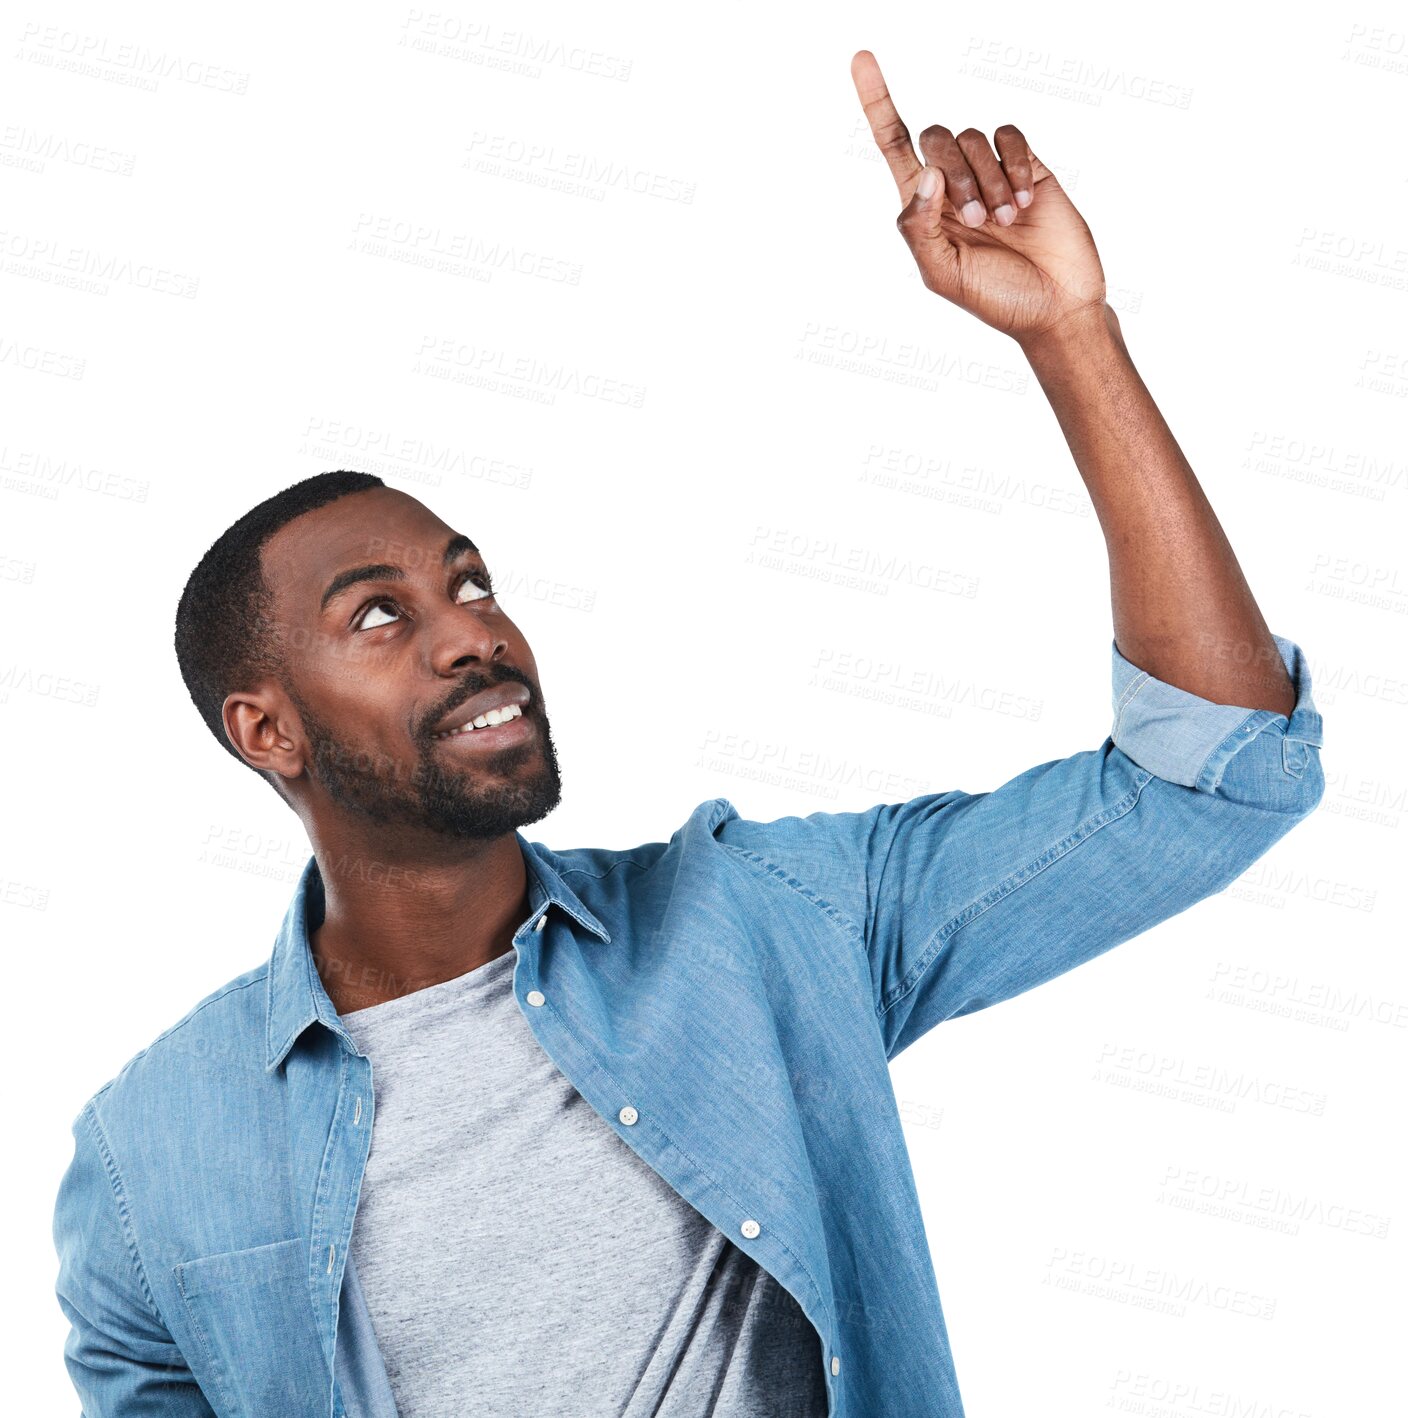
x=919 y=222
x=928 y=197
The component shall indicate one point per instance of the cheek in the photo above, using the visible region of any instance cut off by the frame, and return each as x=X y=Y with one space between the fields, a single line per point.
x=520 y=651
x=367 y=720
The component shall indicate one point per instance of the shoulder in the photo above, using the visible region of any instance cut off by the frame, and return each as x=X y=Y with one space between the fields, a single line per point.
x=223 y=1028
x=701 y=825
x=817 y=859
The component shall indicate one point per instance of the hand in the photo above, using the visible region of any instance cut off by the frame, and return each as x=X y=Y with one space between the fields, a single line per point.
x=1025 y=262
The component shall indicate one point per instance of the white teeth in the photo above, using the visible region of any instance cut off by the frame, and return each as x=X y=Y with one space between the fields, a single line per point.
x=494 y=716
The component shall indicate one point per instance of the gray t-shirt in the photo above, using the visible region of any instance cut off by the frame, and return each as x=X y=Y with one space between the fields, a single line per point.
x=517 y=1257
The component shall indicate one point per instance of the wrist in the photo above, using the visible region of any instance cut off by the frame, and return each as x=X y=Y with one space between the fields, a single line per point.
x=1080 y=329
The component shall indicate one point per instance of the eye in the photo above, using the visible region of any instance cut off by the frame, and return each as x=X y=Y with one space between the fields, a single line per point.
x=482 y=582
x=362 y=623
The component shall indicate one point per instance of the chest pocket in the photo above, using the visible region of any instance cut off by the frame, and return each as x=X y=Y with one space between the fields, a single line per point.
x=258 y=1351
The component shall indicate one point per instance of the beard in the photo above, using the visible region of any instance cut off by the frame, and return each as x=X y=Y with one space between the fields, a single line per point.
x=513 y=787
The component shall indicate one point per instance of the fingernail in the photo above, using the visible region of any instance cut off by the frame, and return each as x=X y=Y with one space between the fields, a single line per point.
x=1024 y=198
x=928 y=180
x=1004 y=215
x=973 y=213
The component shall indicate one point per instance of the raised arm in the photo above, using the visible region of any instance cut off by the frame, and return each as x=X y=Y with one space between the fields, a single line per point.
x=995 y=233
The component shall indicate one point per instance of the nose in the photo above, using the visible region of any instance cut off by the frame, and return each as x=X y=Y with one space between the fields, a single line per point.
x=464 y=638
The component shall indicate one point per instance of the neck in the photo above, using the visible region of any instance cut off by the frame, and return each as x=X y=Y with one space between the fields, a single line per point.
x=391 y=928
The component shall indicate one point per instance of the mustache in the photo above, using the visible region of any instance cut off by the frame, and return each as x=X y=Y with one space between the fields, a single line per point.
x=477 y=684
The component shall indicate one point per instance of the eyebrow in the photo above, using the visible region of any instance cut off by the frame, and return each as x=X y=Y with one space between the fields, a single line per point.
x=384 y=571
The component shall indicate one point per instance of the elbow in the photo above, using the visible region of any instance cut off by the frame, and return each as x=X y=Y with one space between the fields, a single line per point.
x=1276 y=771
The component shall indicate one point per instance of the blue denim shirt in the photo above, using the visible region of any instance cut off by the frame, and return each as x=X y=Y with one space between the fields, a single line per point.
x=728 y=1002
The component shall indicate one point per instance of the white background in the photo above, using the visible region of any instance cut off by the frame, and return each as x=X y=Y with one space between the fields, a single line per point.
x=685 y=207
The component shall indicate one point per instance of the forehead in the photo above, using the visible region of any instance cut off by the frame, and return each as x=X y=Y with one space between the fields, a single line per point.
x=377 y=525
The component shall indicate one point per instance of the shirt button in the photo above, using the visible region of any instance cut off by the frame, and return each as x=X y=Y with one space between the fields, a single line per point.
x=750 y=1228
x=536 y=997
x=540 y=922
x=835 y=1363
x=628 y=1115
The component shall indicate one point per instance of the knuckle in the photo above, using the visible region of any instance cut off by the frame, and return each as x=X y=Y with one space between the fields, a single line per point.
x=1009 y=130
x=935 y=133
x=893 y=134
x=971 y=135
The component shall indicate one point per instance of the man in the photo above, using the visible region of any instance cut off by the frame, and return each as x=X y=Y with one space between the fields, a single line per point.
x=504 y=1130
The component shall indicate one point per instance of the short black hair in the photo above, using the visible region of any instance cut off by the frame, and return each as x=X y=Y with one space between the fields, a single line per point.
x=224 y=633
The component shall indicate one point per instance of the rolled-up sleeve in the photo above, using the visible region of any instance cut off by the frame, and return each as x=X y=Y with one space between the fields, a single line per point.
x=1188 y=740
x=967 y=899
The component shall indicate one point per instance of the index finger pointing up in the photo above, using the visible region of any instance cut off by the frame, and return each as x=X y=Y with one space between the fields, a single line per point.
x=890 y=133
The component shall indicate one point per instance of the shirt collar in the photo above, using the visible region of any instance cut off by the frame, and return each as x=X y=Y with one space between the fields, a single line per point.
x=295 y=995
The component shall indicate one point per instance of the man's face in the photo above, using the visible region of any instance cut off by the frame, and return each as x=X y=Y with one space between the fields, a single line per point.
x=385 y=630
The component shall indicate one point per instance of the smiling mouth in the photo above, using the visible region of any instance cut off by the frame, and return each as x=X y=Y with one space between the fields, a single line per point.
x=506 y=725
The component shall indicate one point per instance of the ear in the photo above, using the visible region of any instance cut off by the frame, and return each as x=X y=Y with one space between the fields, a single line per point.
x=264 y=729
